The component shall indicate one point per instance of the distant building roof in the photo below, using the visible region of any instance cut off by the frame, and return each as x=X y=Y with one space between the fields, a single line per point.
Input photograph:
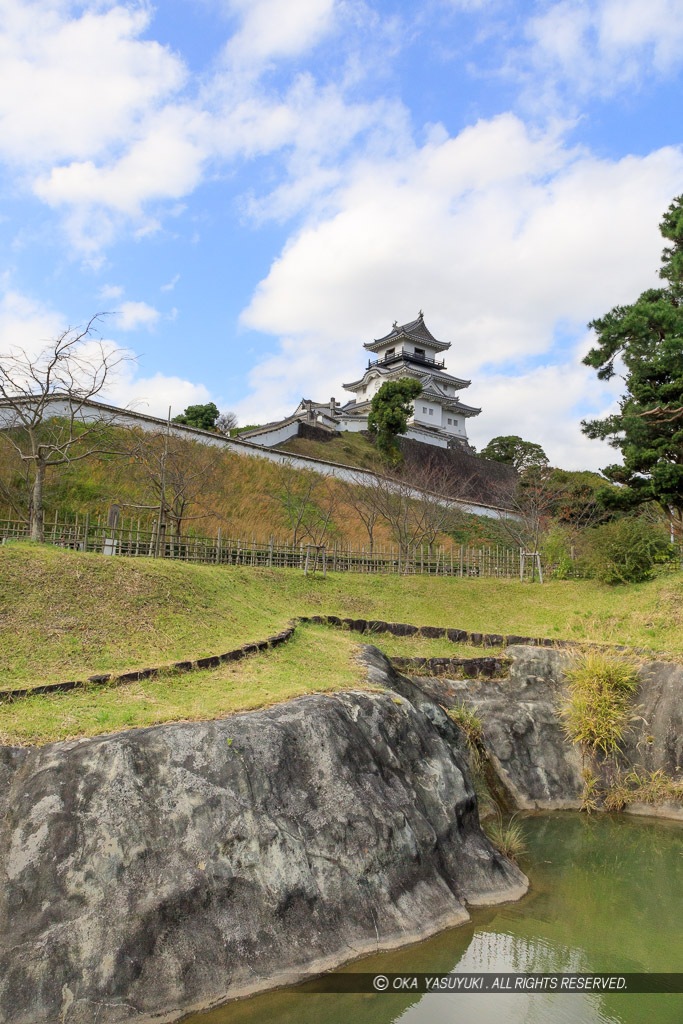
x=416 y=330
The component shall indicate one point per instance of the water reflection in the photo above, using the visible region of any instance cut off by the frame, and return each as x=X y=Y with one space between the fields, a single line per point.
x=605 y=896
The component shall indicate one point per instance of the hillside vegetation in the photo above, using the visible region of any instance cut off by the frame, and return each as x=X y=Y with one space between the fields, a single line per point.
x=207 y=488
x=65 y=615
x=351 y=449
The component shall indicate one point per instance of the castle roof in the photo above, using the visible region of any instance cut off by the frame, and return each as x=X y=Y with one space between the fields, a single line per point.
x=416 y=331
x=398 y=369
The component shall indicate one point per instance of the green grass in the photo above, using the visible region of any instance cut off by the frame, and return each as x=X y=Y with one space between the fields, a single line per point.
x=507 y=836
x=316 y=660
x=66 y=615
x=351 y=449
x=599 y=706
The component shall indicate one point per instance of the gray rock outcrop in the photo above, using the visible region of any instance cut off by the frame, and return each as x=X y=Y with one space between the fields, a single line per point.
x=158 y=871
x=535 y=762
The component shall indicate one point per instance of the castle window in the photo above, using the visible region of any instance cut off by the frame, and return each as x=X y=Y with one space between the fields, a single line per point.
x=390 y=352
x=420 y=352
x=431 y=412
x=450 y=421
x=424 y=408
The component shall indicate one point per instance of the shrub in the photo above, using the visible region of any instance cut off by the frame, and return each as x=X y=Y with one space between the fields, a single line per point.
x=598 y=708
x=624 y=551
x=556 y=552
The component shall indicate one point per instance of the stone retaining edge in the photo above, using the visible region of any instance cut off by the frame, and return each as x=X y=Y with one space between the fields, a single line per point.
x=438 y=666
x=104 y=679
x=456 y=636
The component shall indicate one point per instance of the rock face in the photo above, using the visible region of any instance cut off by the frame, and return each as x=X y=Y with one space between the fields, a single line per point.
x=655 y=739
x=161 y=870
x=535 y=762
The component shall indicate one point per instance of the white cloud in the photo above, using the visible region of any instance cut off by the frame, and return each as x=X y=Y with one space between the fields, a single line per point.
x=546 y=405
x=170 y=284
x=111 y=291
x=132 y=315
x=155 y=394
x=164 y=164
x=26 y=324
x=70 y=86
x=101 y=123
x=600 y=46
x=503 y=237
x=278 y=28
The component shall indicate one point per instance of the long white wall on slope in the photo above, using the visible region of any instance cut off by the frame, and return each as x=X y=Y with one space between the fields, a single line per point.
x=92 y=411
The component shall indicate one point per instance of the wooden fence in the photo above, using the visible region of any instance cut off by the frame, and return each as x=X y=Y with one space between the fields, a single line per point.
x=133 y=538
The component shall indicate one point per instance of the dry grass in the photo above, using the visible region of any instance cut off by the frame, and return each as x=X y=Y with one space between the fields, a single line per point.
x=647 y=787
x=351 y=449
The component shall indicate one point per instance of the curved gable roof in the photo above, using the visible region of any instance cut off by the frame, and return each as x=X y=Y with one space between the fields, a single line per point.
x=416 y=331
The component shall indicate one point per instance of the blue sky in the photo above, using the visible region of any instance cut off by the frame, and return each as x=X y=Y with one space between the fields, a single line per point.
x=254 y=188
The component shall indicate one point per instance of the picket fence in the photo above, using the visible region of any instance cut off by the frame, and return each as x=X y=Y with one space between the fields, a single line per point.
x=133 y=538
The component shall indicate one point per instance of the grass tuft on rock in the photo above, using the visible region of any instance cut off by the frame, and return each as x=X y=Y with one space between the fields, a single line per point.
x=643 y=787
x=599 y=706
x=470 y=724
x=507 y=836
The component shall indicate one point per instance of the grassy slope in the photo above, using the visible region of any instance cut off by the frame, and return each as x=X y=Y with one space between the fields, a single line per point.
x=258 y=681
x=351 y=449
x=65 y=615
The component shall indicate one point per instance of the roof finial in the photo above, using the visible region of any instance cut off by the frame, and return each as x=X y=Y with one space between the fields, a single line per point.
x=395 y=324
x=420 y=315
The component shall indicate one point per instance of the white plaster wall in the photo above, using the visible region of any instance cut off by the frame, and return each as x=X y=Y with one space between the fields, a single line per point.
x=126 y=417
x=426 y=437
x=277 y=434
x=420 y=416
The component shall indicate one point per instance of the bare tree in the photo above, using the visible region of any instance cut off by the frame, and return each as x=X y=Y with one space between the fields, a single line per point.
x=178 y=474
x=360 y=495
x=43 y=400
x=529 y=505
x=439 y=499
x=226 y=422
x=307 y=500
x=415 y=504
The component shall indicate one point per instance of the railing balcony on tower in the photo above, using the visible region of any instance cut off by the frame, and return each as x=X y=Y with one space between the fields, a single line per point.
x=411 y=357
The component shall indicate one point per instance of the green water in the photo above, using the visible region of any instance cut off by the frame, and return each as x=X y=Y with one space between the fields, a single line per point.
x=606 y=895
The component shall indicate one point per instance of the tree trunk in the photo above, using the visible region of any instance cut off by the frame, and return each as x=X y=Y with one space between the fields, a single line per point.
x=37 y=511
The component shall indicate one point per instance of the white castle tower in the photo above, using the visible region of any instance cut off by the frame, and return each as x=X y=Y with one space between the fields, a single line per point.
x=411 y=350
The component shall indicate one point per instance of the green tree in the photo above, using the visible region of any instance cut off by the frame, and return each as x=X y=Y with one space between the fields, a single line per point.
x=516 y=452
x=391 y=407
x=647 y=338
x=201 y=416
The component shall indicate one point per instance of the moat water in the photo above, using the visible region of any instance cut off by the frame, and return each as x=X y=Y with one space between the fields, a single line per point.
x=606 y=895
